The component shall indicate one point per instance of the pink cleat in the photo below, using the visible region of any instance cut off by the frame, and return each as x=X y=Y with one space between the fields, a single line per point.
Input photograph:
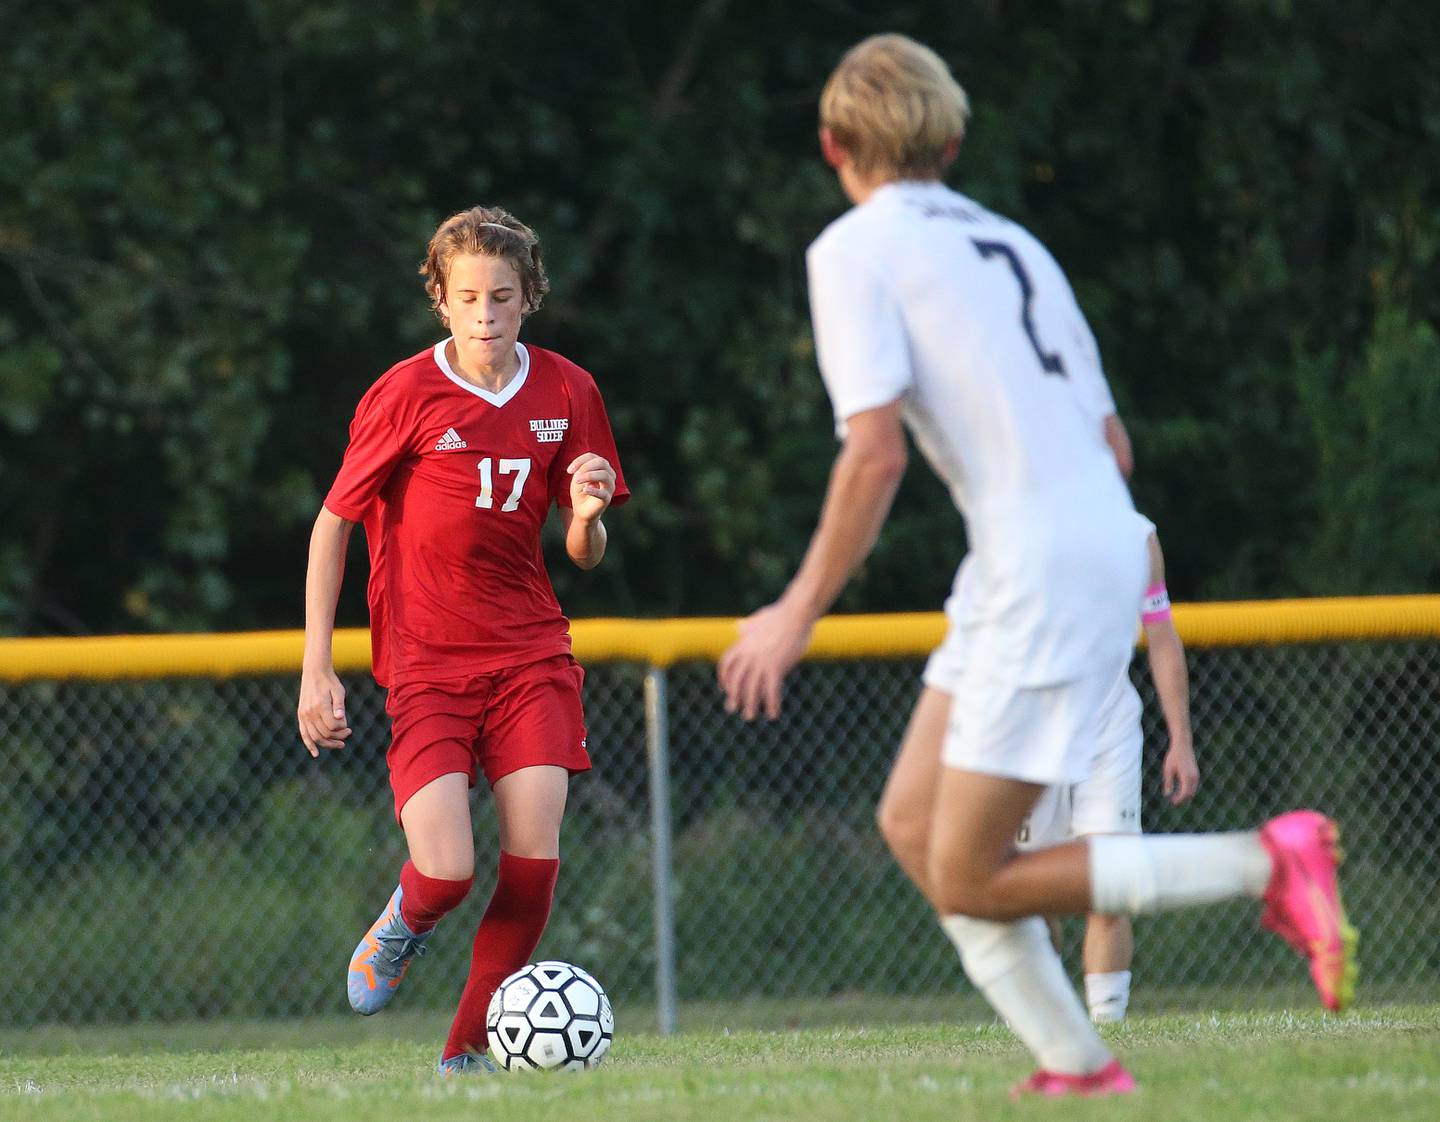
x=1112 y=1079
x=1302 y=901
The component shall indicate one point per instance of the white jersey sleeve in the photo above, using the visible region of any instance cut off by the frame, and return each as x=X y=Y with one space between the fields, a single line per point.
x=860 y=339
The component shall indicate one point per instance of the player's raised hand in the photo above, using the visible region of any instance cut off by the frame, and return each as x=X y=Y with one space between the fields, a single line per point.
x=321 y=712
x=752 y=671
x=1180 y=774
x=592 y=485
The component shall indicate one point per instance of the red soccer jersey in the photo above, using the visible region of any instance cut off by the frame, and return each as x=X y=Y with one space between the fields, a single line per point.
x=453 y=483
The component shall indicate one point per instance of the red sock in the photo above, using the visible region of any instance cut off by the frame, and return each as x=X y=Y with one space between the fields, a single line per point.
x=425 y=900
x=506 y=939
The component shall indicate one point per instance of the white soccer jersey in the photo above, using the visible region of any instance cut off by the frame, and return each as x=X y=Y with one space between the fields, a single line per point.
x=923 y=296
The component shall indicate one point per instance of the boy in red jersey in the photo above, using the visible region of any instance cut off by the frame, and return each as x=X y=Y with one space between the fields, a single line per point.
x=455 y=458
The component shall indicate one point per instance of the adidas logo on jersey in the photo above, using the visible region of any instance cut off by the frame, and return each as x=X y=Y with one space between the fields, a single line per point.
x=551 y=431
x=449 y=442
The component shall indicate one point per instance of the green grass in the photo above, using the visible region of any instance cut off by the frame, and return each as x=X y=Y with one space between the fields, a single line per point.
x=1379 y=1063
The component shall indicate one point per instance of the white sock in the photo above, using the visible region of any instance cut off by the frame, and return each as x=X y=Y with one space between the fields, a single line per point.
x=1018 y=971
x=1135 y=873
x=1108 y=996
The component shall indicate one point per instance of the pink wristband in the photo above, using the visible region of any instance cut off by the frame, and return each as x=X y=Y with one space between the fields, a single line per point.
x=1156 y=605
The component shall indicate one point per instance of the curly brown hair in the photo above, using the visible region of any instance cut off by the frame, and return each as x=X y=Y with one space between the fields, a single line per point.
x=490 y=231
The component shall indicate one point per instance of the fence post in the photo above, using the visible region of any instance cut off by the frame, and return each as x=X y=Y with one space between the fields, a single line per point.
x=657 y=747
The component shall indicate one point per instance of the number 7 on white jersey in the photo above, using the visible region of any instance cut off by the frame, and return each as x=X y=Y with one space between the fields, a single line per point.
x=519 y=468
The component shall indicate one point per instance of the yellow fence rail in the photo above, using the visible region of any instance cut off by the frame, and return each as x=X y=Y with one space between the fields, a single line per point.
x=665 y=642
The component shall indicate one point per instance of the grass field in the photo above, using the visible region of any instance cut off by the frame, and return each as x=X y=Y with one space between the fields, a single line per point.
x=1377 y=1064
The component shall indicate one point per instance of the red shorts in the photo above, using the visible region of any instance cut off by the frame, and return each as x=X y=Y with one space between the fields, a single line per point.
x=497 y=722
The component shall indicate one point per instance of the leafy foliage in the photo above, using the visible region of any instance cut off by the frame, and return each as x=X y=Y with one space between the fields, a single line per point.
x=210 y=217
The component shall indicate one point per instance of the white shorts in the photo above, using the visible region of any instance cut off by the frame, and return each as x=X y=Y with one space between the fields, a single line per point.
x=1041 y=629
x=1039 y=734
x=1107 y=801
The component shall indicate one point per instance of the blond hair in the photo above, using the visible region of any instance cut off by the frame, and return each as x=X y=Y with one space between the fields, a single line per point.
x=894 y=107
x=489 y=232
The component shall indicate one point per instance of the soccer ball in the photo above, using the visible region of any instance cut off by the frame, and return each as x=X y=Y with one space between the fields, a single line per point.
x=549 y=1016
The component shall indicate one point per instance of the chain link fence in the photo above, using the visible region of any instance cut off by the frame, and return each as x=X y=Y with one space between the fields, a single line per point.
x=169 y=851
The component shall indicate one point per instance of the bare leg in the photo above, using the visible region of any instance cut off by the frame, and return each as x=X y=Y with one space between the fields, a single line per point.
x=1012 y=963
x=974 y=869
x=1109 y=944
x=907 y=805
x=436 y=820
x=983 y=891
x=1109 y=947
x=531 y=805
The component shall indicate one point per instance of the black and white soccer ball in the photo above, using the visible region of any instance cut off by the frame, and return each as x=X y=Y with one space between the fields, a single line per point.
x=549 y=1016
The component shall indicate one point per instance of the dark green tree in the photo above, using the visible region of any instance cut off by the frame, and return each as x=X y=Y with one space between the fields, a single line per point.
x=211 y=215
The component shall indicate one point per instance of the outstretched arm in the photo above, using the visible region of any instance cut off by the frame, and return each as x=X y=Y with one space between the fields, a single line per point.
x=1181 y=775
x=863 y=482
x=321 y=711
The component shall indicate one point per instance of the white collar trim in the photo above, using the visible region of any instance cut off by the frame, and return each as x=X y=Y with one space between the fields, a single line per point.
x=496 y=399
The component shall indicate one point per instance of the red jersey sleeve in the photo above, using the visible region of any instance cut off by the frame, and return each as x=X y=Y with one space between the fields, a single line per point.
x=589 y=431
x=371 y=456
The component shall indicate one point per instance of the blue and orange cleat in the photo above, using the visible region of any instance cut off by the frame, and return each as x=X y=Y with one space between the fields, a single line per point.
x=1302 y=901
x=381 y=959
x=467 y=1063
x=1112 y=1079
